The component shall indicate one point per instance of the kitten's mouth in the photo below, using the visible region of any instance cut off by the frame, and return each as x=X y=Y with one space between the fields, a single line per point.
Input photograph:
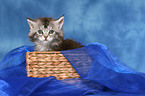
x=45 y=41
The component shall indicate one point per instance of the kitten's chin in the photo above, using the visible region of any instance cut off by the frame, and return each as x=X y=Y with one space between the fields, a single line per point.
x=45 y=41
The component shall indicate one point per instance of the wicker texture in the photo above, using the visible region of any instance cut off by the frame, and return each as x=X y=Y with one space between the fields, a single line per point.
x=45 y=64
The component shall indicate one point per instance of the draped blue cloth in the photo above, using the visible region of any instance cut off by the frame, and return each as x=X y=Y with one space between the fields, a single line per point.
x=101 y=74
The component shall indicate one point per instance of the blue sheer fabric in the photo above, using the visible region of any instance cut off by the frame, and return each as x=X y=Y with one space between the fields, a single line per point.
x=101 y=74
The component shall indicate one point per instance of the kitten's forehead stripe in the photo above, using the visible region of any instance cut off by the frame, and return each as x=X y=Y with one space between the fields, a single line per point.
x=45 y=21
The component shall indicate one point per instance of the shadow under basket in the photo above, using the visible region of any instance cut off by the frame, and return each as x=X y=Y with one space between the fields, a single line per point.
x=52 y=63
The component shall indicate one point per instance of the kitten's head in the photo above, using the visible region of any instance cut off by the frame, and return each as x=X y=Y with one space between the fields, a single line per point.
x=45 y=29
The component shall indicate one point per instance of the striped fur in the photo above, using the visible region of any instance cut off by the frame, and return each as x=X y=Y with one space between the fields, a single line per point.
x=47 y=35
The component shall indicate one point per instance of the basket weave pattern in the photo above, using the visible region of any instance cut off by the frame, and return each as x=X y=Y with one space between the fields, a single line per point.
x=45 y=64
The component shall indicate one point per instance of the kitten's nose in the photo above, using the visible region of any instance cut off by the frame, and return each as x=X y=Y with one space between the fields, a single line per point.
x=45 y=37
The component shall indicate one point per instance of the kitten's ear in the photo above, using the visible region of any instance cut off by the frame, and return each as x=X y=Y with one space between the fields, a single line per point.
x=59 y=22
x=31 y=22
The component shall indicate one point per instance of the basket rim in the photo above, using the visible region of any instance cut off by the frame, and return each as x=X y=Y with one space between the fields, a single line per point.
x=44 y=52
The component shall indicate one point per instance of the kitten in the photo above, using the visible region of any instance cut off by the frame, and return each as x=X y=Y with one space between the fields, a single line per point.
x=47 y=35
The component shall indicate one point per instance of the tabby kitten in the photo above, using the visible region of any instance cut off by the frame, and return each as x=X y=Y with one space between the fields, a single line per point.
x=47 y=35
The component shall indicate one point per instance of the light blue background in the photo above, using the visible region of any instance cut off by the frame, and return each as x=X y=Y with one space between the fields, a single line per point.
x=119 y=24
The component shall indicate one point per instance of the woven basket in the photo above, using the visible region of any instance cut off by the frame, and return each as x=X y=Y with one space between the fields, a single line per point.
x=45 y=64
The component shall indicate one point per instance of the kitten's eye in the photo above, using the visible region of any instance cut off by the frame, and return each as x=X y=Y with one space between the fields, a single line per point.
x=51 y=31
x=40 y=31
